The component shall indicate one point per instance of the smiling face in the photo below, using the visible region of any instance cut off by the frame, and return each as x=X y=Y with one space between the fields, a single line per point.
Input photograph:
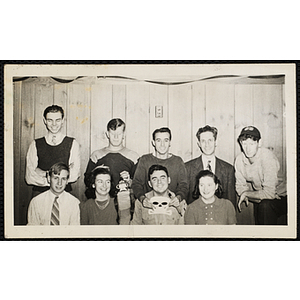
x=207 y=187
x=102 y=185
x=207 y=143
x=162 y=144
x=159 y=181
x=54 y=122
x=116 y=137
x=250 y=147
x=58 y=182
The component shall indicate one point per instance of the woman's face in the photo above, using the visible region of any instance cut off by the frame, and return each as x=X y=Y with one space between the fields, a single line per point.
x=102 y=184
x=207 y=187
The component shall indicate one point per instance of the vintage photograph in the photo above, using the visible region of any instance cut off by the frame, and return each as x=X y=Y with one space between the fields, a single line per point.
x=194 y=150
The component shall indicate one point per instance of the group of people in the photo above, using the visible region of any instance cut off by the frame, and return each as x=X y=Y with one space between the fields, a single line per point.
x=157 y=188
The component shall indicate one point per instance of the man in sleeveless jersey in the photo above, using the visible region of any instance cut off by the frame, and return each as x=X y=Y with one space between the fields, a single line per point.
x=54 y=147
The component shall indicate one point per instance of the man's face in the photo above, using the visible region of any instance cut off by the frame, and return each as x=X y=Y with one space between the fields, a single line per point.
x=58 y=182
x=159 y=181
x=162 y=143
x=250 y=147
x=207 y=143
x=116 y=137
x=102 y=184
x=54 y=122
x=207 y=187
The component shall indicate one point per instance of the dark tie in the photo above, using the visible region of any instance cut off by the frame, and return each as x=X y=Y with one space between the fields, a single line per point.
x=55 y=213
x=209 y=166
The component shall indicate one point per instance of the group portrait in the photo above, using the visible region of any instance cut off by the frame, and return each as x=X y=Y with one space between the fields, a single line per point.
x=194 y=150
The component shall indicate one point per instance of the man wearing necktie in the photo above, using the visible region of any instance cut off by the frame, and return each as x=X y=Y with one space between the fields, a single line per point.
x=54 y=147
x=55 y=206
x=207 y=142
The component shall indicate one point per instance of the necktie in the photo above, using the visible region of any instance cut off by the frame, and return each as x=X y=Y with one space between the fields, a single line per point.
x=209 y=166
x=54 y=139
x=55 y=213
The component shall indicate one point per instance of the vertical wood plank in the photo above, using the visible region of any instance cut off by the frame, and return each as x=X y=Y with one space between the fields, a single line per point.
x=198 y=115
x=220 y=113
x=43 y=99
x=101 y=113
x=268 y=118
x=158 y=97
x=180 y=120
x=243 y=111
x=27 y=135
x=60 y=97
x=17 y=151
x=137 y=118
x=119 y=102
x=79 y=127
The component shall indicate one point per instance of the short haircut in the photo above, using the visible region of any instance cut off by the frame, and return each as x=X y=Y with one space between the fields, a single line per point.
x=57 y=168
x=206 y=128
x=162 y=129
x=244 y=137
x=204 y=173
x=90 y=192
x=154 y=168
x=54 y=109
x=113 y=124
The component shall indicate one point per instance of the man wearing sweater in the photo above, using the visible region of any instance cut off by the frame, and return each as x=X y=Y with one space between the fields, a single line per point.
x=161 y=141
x=257 y=180
x=207 y=142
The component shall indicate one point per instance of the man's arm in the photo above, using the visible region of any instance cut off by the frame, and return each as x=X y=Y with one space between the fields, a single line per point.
x=137 y=215
x=182 y=186
x=231 y=186
x=138 y=181
x=34 y=175
x=74 y=162
x=75 y=215
x=32 y=215
x=90 y=166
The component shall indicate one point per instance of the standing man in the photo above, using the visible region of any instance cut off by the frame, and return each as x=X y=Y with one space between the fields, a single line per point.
x=50 y=149
x=257 y=179
x=55 y=206
x=207 y=142
x=121 y=162
x=161 y=156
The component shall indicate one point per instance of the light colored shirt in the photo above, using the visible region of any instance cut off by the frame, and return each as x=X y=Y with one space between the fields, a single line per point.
x=40 y=208
x=260 y=176
x=212 y=163
x=33 y=178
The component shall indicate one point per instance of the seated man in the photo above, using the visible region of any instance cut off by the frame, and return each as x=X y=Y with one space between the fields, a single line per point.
x=162 y=212
x=257 y=180
x=161 y=156
x=55 y=206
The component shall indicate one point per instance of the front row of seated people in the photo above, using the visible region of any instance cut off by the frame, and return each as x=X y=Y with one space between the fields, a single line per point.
x=115 y=177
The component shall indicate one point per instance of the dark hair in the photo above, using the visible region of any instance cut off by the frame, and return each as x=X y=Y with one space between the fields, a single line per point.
x=244 y=137
x=90 y=191
x=162 y=129
x=57 y=168
x=54 y=109
x=113 y=124
x=204 y=173
x=206 y=128
x=154 y=168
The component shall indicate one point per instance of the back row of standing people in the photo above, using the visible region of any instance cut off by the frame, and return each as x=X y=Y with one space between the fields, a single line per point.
x=254 y=177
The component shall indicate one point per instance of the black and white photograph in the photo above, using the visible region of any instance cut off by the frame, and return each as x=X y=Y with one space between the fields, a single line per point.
x=194 y=150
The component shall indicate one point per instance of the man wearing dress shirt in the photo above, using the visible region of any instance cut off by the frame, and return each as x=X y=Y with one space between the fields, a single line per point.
x=50 y=149
x=207 y=142
x=55 y=206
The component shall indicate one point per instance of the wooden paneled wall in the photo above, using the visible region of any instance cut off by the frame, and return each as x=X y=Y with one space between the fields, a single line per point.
x=90 y=103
